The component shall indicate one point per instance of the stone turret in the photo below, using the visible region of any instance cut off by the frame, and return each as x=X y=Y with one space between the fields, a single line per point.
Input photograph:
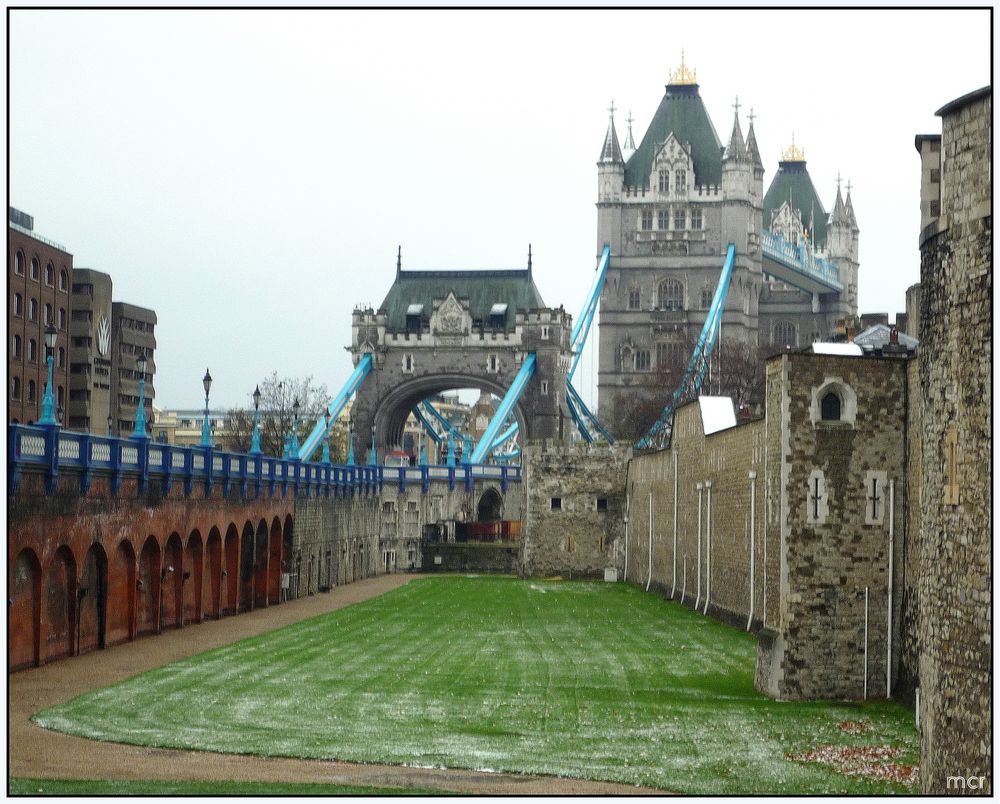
x=610 y=184
x=842 y=246
x=737 y=180
x=757 y=186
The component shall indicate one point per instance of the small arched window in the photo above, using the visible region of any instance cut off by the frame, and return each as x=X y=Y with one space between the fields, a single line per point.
x=32 y=309
x=670 y=295
x=31 y=390
x=50 y=275
x=48 y=315
x=706 y=296
x=62 y=318
x=830 y=407
x=680 y=181
x=15 y=387
x=60 y=357
x=664 y=181
x=18 y=304
x=32 y=350
x=16 y=347
x=63 y=282
x=19 y=265
x=34 y=269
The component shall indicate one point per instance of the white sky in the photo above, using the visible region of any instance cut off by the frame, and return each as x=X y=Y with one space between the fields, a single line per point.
x=249 y=174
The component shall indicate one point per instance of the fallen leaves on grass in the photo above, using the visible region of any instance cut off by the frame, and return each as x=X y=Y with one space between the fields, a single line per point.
x=867 y=761
x=853 y=726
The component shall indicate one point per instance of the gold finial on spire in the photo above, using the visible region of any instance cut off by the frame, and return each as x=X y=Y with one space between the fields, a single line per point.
x=683 y=75
x=793 y=153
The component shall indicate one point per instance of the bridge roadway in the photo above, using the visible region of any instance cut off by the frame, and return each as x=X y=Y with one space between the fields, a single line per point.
x=37 y=753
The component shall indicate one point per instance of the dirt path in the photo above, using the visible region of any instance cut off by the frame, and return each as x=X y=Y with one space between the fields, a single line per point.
x=34 y=752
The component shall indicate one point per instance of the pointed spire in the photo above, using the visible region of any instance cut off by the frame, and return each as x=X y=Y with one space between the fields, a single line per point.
x=399 y=260
x=752 y=150
x=849 y=208
x=736 y=150
x=610 y=150
x=629 y=147
x=839 y=215
x=529 y=259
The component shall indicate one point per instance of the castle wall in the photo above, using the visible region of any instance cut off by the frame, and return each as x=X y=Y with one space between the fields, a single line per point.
x=955 y=595
x=581 y=535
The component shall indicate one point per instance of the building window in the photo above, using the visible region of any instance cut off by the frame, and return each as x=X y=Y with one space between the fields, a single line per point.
x=641 y=360
x=680 y=181
x=18 y=304
x=15 y=387
x=662 y=220
x=31 y=390
x=647 y=219
x=679 y=216
x=602 y=503
x=32 y=350
x=493 y=364
x=62 y=318
x=556 y=504
x=60 y=357
x=59 y=396
x=545 y=333
x=830 y=408
x=668 y=355
x=32 y=309
x=34 y=269
x=408 y=363
x=936 y=175
x=63 y=282
x=935 y=209
x=19 y=264
x=16 y=347
x=784 y=334
x=696 y=219
x=670 y=295
x=707 y=293
x=664 y=181
x=545 y=388
x=48 y=315
x=50 y=275
x=634 y=299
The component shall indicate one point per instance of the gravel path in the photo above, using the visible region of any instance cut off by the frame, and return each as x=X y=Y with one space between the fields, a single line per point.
x=34 y=752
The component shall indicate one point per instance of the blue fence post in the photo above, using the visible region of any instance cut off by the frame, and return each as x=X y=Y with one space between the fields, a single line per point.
x=85 y=475
x=451 y=477
x=503 y=478
x=425 y=479
x=142 y=449
x=209 y=467
x=468 y=477
x=51 y=458
x=116 y=465
x=13 y=453
x=188 y=470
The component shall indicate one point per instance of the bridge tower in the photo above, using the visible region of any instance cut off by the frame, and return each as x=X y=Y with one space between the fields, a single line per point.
x=441 y=330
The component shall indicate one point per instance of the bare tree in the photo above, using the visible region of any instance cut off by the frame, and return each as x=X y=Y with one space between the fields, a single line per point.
x=277 y=415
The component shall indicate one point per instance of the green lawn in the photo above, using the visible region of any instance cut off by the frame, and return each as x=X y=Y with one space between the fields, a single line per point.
x=88 y=787
x=590 y=680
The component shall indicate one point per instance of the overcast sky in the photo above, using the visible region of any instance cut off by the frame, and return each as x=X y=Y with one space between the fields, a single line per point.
x=249 y=174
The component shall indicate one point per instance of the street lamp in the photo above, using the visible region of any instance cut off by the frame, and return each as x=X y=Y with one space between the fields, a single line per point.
x=48 y=416
x=350 y=438
x=326 y=438
x=255 y=441
x=110 y=422
x=206 y=433
x=140 y=415
x=295 y=430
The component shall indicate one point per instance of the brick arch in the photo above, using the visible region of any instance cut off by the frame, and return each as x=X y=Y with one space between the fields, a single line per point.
x=192 y=578
x=275 y=562
x=246 y=574
x=148 y=588
x=25 y=611
x=60 y=604
x=212 y=583
x=261 y=554
x=172 y=581
x=231 y=570
x=92 y=600
x=122 y=594
x=490 y=506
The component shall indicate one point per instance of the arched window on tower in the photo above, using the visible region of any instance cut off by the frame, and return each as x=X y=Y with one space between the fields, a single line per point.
x=830 y=407
x=783 y=334
x=19 y=266
x=680 y=181
x=664 y=181
x=670 y=295
x=707 y=293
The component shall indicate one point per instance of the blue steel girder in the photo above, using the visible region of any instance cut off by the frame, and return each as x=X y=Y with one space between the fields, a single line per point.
x=436 y=437
x=506 y=408
x=309 y=446
x=797 y=265
x=581 y=327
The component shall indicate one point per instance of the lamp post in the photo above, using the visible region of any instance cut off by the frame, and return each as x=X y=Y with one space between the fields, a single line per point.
x=295 y=430
x=48 y=416
x=111 y=421
x=140 y=415
x=206 y=432
x=350 y=439
x=326 y=438
x=255 y=441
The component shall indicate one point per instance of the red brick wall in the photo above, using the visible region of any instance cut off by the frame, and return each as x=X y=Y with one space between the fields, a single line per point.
x=93 y=569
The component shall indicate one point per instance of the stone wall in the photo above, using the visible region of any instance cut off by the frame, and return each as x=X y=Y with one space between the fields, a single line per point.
x=575 y=508
x=502 y=559
x=955 y=590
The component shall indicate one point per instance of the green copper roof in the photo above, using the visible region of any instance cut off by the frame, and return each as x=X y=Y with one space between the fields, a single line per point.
x=483 y=289
x=682 y=112
x=792 y=180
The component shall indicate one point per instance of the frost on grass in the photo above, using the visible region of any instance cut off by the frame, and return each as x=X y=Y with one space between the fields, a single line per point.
x=584 y=680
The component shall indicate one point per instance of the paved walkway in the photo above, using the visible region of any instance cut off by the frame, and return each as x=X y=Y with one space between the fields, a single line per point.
x=34 y=752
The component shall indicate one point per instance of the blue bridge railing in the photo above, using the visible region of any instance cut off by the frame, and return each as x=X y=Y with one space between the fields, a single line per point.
x=799 y=258
x=53 y=452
